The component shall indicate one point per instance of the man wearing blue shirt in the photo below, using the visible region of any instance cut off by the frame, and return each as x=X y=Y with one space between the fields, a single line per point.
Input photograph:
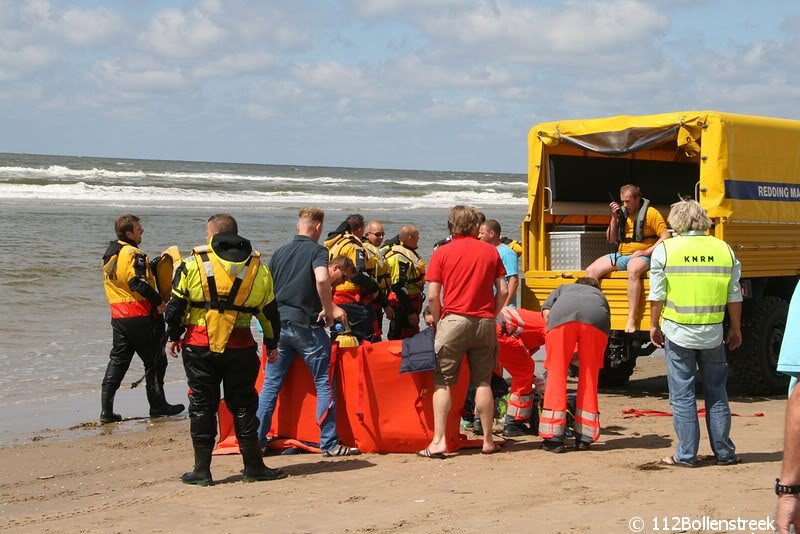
x=490 y=233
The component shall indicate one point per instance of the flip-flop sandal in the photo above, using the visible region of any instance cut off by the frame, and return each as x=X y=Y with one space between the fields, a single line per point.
x=670 y=461
x=493 y=451
x=733 y=461
x=431 y=455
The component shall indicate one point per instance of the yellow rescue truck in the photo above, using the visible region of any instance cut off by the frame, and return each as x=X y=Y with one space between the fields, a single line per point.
x=744 y=170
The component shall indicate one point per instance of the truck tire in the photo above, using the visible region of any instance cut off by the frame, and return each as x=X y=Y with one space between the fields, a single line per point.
x=616 y=377
x=755 y=362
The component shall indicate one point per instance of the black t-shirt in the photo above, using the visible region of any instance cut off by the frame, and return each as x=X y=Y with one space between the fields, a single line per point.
x=292 y=268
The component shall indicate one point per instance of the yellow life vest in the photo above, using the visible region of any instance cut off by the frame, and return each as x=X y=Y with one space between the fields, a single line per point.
x=698 y=271
x=513 y=244
x=117 y=271
x=350 y=246
x=381 y=270
x=224 y=295
x=165 y=267
x=401 y=258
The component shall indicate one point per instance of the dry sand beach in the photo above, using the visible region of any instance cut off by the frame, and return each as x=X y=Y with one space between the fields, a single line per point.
x=125 y=479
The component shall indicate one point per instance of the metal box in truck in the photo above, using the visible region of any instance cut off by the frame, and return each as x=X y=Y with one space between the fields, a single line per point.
x=744 y=170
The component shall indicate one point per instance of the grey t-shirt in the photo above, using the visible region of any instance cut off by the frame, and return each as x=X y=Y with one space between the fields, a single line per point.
x=577 y=302
x=292 y=268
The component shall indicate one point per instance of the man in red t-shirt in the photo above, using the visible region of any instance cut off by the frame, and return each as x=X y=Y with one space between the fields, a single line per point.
x=465 y=271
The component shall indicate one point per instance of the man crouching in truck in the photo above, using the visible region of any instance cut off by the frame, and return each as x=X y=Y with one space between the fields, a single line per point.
x=638 y=229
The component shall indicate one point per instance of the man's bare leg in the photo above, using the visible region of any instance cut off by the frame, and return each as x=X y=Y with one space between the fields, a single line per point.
x=442 y=401
x=636 y=268
x=600 y=267
x=484 y=405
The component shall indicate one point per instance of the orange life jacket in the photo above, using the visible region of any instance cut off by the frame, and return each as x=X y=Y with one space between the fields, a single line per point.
x=117 y=271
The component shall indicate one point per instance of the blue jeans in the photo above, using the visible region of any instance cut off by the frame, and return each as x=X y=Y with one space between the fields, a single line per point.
x=682 y=365
x=313 y=345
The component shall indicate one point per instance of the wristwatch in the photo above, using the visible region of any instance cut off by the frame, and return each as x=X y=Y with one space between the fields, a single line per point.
x=780 y=489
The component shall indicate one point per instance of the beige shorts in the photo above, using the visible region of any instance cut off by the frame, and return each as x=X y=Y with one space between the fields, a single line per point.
x=457 y=335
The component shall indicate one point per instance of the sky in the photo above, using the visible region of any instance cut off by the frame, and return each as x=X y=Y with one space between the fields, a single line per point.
x=405 y=84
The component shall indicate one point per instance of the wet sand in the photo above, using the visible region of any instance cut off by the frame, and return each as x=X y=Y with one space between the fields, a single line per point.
x=124 y=478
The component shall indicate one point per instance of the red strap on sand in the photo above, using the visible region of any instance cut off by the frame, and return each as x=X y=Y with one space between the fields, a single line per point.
x=287 y=443
x=633 y=412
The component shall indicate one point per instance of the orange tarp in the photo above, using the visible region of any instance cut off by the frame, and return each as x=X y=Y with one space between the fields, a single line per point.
x=378 y=410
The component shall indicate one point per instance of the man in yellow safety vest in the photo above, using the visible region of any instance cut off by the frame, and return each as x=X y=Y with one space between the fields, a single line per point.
x=693 y=278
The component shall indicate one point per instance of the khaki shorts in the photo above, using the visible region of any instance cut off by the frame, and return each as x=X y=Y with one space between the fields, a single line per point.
x=457 y=335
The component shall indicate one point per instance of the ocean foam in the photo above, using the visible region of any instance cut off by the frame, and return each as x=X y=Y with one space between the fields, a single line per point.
x=453 y=183
x=57 y=171
x=165 y=196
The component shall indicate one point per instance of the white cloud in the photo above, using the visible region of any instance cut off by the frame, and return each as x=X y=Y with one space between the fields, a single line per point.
x=84 y=27
x=412 y=69
x=76 y=26
x=479 y=106
x=382 y=8
x=17 y=62
x=332 y=76
x=234 y=64
x=261 y=111
x=517 y=93
x=178 y=35
x=144 y=80
x=575 y=27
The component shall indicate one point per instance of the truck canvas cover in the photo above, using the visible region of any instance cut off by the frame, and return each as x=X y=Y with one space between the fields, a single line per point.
x=749 y=166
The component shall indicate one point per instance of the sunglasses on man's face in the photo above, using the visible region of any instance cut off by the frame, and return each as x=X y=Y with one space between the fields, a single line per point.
x=378 y=234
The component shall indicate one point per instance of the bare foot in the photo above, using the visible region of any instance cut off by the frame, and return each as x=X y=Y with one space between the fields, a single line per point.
x=630 y=327
x=491 y=450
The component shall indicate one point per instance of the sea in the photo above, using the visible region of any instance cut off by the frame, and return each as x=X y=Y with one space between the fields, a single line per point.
x=57 y=216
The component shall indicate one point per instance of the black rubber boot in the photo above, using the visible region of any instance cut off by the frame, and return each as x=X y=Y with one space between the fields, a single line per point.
x=552 y=445
x=254 y=468
x=107 y=414
x=514 y=430
x=534 y=420
x=201 y=474
x=159 y=407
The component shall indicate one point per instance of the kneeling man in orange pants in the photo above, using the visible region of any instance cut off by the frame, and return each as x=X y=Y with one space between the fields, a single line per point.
x=520 y=333
x=578 y=318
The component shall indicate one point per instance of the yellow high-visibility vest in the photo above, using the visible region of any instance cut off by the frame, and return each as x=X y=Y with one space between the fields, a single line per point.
x=224 y=295
x=698 y=272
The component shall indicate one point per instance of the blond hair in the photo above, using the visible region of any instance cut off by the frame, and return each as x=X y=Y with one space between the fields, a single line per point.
x=312 y=215
x=688 y=215
x=463 y=220
x=632 y=189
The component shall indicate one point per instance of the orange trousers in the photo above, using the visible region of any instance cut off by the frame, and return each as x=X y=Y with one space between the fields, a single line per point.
x=560 y=343
x=516 y=359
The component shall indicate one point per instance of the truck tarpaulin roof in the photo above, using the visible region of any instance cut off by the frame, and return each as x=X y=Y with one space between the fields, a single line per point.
x=749 y=166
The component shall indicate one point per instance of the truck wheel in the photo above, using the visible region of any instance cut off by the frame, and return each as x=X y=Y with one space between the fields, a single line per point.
x=615 y=377
x=755 y=362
